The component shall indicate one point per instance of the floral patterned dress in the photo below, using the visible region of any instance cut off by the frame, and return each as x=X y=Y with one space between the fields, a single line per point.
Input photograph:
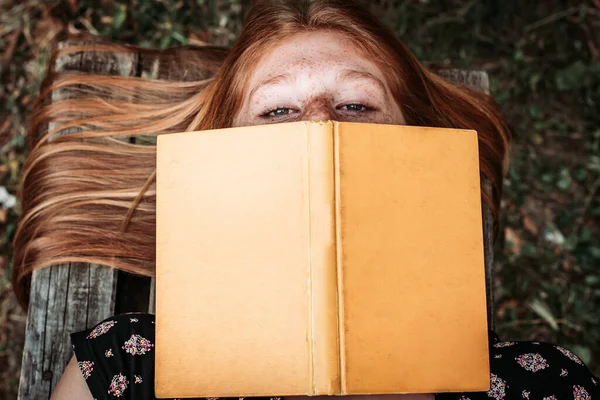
x=116 y=358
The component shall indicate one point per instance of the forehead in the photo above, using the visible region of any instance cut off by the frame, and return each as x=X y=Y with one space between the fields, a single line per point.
x=312 y=52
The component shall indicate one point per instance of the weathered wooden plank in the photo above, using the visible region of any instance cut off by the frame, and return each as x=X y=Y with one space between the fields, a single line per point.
x=102 y=294
x=54 y=326
x=476 y=79
x=480 y=80
x=31 y=384
x=71 y=297
x=151 y=68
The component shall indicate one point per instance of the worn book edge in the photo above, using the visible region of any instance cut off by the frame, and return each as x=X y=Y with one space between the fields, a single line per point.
x=323 y=335
x=338 y=262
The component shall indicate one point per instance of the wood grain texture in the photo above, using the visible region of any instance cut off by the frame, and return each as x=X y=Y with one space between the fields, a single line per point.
x=475 y=79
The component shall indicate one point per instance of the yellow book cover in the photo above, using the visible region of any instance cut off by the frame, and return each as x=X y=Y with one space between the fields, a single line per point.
x=319 y=258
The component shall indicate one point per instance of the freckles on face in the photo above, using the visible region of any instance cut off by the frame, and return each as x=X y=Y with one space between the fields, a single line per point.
x=317 y=75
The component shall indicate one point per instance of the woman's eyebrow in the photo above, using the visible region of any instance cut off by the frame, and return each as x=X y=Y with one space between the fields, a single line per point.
x=346 y=74
x=352 y=74
x=277 y=79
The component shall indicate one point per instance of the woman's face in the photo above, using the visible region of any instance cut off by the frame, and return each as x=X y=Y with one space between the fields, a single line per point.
x=317 y=76
x=320 y=76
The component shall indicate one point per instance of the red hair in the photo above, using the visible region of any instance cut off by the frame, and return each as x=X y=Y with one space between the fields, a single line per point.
x=88 y=196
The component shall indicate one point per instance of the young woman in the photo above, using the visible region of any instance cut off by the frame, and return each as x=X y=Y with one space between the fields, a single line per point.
x=292 y=61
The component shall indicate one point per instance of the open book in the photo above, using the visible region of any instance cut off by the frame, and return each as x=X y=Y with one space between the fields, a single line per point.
x=315 y=258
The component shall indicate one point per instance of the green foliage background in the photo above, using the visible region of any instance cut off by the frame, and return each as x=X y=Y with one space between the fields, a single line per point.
x=544 y=62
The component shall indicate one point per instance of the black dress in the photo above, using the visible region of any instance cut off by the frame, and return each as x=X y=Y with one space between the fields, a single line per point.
x=116 y=358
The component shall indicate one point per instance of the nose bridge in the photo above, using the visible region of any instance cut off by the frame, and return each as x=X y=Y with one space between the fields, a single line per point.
x=317 y=110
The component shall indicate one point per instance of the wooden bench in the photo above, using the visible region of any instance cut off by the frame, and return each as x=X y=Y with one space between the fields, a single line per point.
x=72 y=297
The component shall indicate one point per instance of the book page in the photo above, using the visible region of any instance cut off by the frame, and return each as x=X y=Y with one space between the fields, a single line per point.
x=412 y=287
x=233 y=258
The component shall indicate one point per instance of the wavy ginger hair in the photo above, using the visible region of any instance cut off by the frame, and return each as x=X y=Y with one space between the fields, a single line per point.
x=89 y=196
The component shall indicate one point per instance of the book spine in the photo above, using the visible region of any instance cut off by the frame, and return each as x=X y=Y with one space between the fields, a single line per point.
x=340 y=328
x=323 y=332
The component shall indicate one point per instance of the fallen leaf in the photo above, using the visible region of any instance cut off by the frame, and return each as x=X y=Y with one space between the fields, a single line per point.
x=516 y=242
x=529 y=225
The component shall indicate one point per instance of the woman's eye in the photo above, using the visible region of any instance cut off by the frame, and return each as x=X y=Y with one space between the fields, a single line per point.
x=285 y=111
x=355 y=107
x=278 y=112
